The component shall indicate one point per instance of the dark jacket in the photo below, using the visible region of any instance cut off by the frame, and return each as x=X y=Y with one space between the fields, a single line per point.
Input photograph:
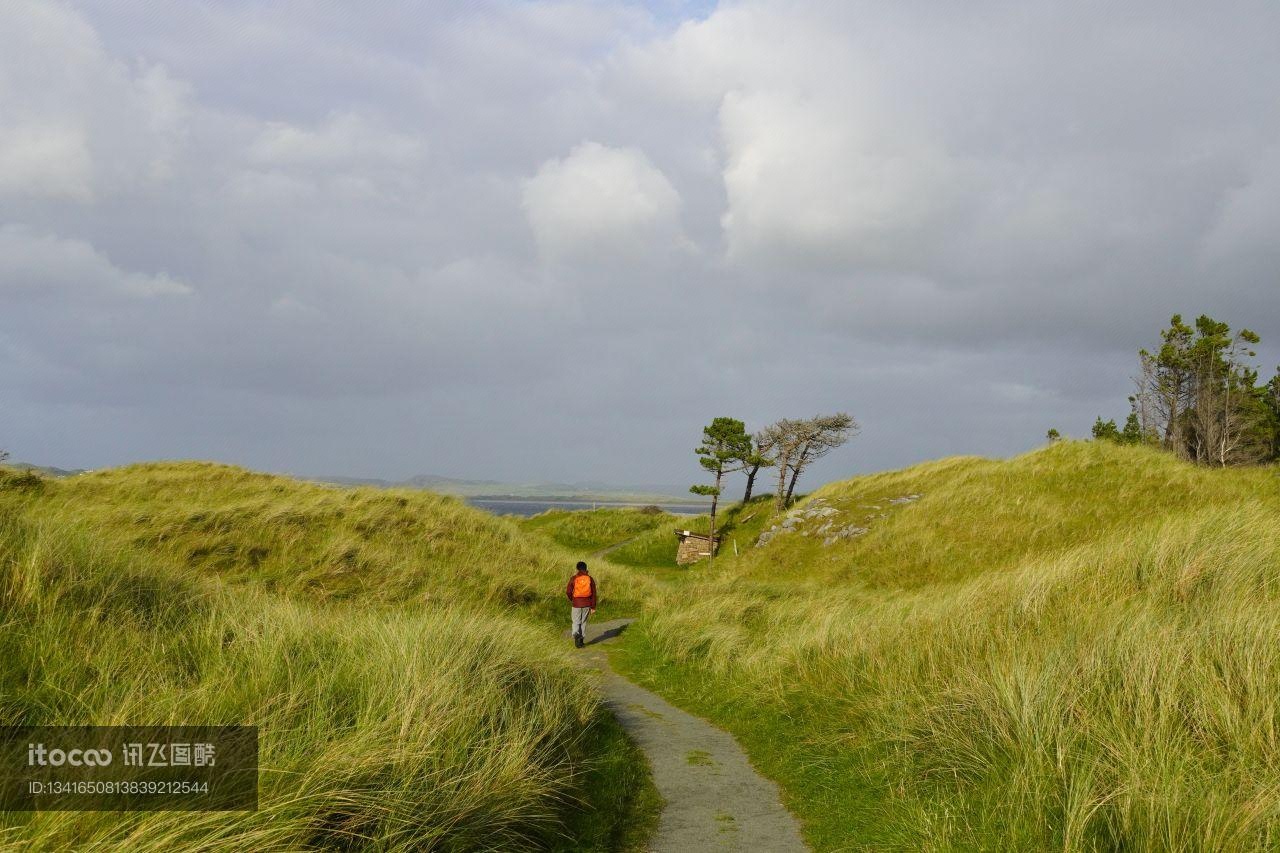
x=581 y=601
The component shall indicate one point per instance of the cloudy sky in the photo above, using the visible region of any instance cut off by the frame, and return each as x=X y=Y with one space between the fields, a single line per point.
x=550 y=240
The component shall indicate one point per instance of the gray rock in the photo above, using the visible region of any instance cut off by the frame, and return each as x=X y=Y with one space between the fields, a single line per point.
x=771 y=533
x=846 y=532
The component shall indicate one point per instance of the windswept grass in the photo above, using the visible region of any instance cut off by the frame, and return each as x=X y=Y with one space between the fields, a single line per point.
x=585 y=531
x=1077 y=649
x=655 y=548
x=368 y=545
x=978 y=515
x=381 y=642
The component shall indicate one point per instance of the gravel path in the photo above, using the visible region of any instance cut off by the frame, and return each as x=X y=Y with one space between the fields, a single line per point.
x=715 y=798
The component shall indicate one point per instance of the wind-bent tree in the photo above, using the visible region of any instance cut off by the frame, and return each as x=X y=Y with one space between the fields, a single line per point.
x=786 y=438
x=798 y=443
x=724 y=449
x=760 y=457
x=819 y=436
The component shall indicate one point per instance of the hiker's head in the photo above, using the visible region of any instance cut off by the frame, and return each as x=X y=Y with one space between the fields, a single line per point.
x=582 y=567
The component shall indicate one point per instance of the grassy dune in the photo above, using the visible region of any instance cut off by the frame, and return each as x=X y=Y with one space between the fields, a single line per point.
x=444 y=719
x=1075 y=649
x=977 y=515
x=594 y=529
x=373 y=546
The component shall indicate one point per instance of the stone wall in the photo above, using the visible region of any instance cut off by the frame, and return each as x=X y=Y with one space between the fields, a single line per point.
x=692 y=548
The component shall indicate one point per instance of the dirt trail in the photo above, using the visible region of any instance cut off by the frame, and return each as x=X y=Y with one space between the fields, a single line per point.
x=715 y=798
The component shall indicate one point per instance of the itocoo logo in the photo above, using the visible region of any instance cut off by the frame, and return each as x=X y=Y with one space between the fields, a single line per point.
x=38 y=755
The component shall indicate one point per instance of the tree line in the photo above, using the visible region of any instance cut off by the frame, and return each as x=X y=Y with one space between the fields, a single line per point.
x=789 y=446
x=1198 y=394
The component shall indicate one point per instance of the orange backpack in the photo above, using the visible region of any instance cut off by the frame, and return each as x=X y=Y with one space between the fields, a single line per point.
x=582 y=586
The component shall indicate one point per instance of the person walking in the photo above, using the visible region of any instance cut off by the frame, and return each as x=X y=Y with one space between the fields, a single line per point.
x=581 y=593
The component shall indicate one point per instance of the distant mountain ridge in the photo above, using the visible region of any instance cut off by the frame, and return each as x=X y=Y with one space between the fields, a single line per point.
x=585 y=491
x=47 y=470
x=496 y=489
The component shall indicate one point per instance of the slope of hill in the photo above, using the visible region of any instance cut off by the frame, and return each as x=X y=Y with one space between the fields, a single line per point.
x=380 y=640
x=593 y=530
x=956 y=518
x=374 y=545
x=1075 y=649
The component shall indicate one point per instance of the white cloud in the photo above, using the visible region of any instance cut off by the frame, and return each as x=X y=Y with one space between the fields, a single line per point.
x=44 y=265
x=601 y=199
x=45 y=160
x=345 y=140
x=76 y=122
x=820 y=180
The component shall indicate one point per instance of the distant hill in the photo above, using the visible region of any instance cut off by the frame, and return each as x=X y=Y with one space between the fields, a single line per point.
x=491 y=489
x=497 y=490
x=46 y=470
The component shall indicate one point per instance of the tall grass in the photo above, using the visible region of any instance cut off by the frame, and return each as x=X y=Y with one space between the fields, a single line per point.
x=977 y=515
x=367 y=545
x=1078 y=649
x=595 y=529
x=448 y=721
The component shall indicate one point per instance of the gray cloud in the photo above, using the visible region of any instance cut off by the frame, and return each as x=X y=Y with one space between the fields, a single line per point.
x=551 y=240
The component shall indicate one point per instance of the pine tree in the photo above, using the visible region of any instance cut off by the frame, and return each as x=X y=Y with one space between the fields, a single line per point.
x=1132 y=432
x=725 y=448
x=760 y=457
x=1105 y=430
x=1198 y=396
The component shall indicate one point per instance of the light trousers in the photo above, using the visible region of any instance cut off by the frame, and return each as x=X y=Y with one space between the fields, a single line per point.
x=580 y=615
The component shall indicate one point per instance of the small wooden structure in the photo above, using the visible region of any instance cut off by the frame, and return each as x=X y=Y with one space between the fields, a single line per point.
x=693 y=547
